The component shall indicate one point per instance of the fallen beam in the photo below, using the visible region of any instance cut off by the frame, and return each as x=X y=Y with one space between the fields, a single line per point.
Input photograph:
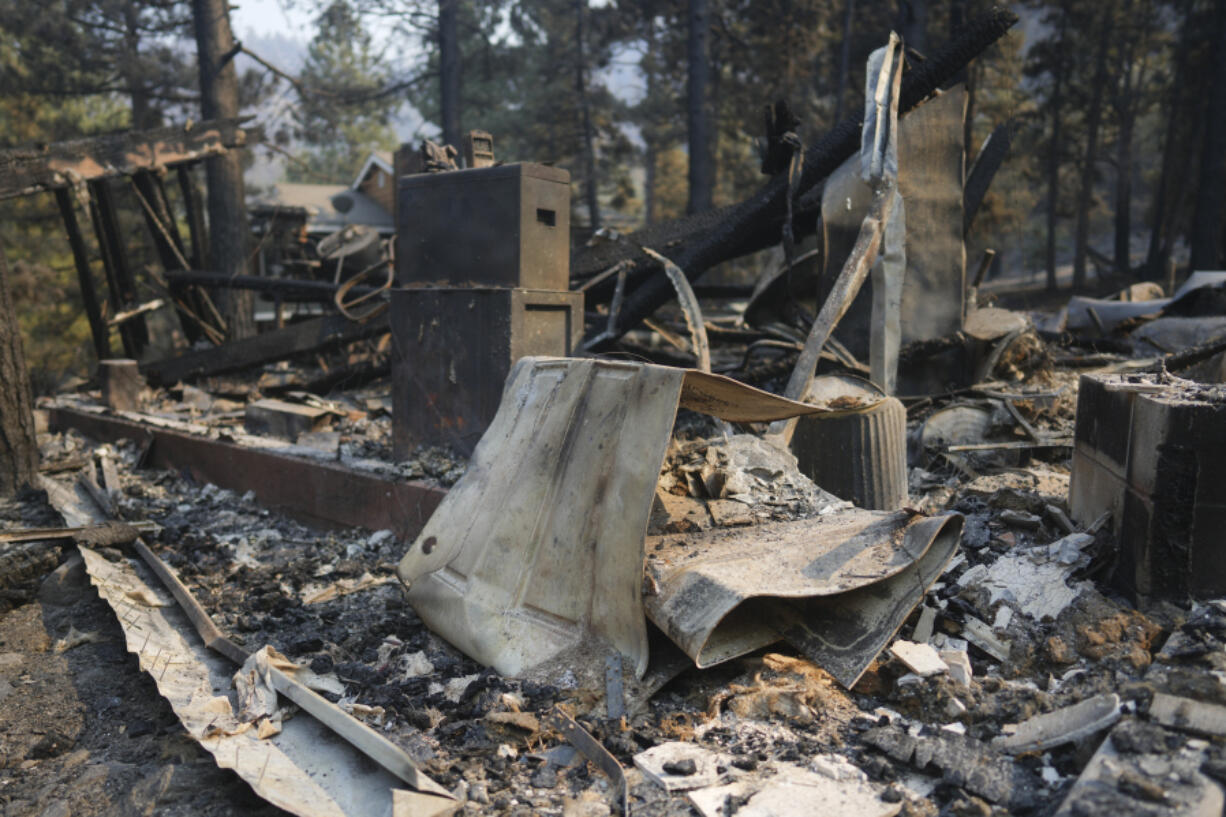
x=316 y=335
x=64 y=164
x=322 y=291
x=979 y=179
x=316 y=492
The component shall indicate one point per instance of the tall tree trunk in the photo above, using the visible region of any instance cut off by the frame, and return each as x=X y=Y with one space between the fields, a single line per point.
x=1207 y=217
x=651 y=158
x=591 y=193
x=651 y=136
x=449 y=70
x=18 y=442
x=1155 y=261
x=1053 y=152
x=913 y=24
x=840 y=85
x=1085 y=190
x=1123 y=190
x=698 y=117
x=227 y=208
x=1125 y=115
x=143 y=115
x=957 y=16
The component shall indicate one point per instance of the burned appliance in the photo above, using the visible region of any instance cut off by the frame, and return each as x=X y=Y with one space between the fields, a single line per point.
x=484 y=258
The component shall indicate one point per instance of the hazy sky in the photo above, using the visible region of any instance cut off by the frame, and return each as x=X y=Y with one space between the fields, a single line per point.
x=270 y=18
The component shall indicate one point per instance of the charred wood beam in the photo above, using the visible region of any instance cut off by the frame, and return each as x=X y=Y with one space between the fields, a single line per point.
x=322 y=291
x=61 y=164
x=193 y=203
x=315 y=335
x=85 y=276
x=979 y=179
x=756 y=223
x=166 y=240
x=120 y=284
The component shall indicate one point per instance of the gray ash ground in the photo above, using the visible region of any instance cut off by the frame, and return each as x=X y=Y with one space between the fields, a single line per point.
x=86 y=728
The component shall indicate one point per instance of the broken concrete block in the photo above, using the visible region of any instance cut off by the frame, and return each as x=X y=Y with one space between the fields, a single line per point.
x=1153 y=454
x=1067 y=725
x=1114 y=782
x=1020 y=519
x=679 y=766
x=924 y=627
x=1034 y=583
x=795 y=792
x=121 y=384
x=959 y=664
x=961 y=760
x=730 y=513
x=921 y=659
x=1189 y=715
x=981 y=635
x=277 y=418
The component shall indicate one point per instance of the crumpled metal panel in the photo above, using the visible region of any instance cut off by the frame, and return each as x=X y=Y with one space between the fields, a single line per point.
x=718 y=591
x=539 y=546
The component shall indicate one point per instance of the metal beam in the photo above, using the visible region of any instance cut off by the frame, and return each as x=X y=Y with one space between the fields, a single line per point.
x=316 y=492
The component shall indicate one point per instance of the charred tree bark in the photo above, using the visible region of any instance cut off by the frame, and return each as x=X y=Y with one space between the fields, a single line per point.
x=449 y=70
x=1085 y=189
x=227 y=207
x=698 y=118
x=1211 y=189
x=1155 y=259
x=840 y=85
x=18 y=443
x=590 y=191
x=1126 y=115
x=913 y=24
x=1053 y=152
x=143 y=115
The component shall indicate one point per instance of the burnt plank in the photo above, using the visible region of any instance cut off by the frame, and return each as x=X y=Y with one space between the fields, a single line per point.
x=85 y=277
x=48 y=167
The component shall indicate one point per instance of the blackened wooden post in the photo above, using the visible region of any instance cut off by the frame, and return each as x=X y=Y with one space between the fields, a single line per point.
x=18 y=440
x=165 y=233
x=119 y=278
x=194 y=205
x=85 y=277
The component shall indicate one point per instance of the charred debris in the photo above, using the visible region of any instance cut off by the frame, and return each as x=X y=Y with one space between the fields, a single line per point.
x=523 y=525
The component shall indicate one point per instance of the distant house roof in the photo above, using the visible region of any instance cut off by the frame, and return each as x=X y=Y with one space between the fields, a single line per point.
x=377 y=158
x=319 y=202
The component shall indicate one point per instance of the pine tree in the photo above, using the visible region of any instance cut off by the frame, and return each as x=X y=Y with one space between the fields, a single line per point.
x=342 y=115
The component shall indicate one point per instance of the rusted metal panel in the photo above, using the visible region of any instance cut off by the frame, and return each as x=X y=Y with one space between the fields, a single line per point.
x=538 y=549
x=36 y=169
x=316 y=492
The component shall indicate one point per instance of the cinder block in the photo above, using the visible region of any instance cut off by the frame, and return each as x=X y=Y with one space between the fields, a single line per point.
x=276 y=418
x=1153 y=454
x=121 y=384
x=452 y=349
